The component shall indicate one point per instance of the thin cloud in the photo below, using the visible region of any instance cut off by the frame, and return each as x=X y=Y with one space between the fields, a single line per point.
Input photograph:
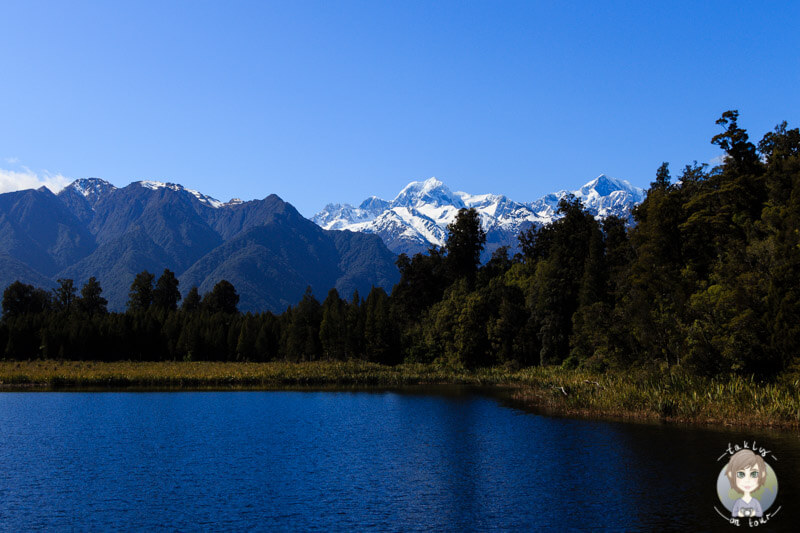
x=12 y=160
x=13 y=180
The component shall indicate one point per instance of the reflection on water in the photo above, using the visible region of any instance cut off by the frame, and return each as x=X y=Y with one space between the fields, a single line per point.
x=424 y=459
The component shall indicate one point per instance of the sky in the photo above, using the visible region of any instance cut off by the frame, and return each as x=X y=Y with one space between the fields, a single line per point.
x=324 y=102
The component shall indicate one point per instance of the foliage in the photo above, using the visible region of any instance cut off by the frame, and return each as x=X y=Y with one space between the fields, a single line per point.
x=703 y=282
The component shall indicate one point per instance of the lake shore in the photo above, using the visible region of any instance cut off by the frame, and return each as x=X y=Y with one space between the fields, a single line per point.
x=668 y=394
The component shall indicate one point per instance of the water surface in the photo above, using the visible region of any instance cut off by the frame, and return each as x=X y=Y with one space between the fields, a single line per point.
x=441 y=459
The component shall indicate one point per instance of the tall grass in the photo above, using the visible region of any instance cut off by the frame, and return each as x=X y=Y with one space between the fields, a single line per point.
x=671 y=394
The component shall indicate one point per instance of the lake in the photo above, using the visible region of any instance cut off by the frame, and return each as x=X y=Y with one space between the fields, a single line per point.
x=441 y=458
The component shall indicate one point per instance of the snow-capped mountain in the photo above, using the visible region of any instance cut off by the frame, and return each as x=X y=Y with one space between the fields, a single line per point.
x=207 y=200
x=419 y=215
x=91 y=188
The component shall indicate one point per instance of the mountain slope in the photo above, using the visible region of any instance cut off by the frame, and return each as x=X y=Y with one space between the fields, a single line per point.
x=41 y=232
x=264 y=247
x=272 y=263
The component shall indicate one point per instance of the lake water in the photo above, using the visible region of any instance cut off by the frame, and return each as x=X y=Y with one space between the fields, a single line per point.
x=444 y=459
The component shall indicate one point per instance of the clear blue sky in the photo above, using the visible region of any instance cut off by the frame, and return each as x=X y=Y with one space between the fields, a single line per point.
x=335 y=101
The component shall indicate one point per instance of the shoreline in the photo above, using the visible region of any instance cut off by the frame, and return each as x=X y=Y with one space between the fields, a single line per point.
x=667 y=396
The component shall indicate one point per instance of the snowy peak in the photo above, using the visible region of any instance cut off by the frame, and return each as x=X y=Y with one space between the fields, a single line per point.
x=430 y=192
x=373 y=204
x=604 y=196
x=603 y=186
x=91 y=188
x=202 y=198
x=419 y=215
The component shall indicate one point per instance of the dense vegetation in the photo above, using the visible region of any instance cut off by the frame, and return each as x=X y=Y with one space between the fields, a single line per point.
x=706 y=278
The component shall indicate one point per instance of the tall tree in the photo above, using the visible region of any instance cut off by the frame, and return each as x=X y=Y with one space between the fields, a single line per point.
x=192 y=301
x=166 y=294
x=465 y=240
x=333 y=328
x=20 y=298
x=223 y=298
x=65 y=294
x=91 y=301
x=302 y=334
x=380 y=334
x=141 y=293
x=734 y=140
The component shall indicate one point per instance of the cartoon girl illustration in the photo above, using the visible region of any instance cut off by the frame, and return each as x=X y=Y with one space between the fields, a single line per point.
x=747 y=473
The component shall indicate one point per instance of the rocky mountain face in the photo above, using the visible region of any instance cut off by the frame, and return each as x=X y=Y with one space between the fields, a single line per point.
x=264 y=247
x=418 y=216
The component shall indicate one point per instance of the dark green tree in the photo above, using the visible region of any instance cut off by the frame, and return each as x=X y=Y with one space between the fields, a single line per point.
x=91 y=301
x=166 y=294
x=20 y=298
x=465 y=240
x=662 y=177
x=64 y=294
x=192 y=301
x=333 y=328
x=222 y=299
x=140 y=296
x=380 y=335
x=741 y=153
x=302 y=333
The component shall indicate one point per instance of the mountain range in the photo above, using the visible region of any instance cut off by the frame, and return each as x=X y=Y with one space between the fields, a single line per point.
x=265 y=248
x=418 y=216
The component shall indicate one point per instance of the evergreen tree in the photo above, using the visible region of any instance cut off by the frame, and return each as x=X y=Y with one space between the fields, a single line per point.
x=302 y=342
x=91 y=301
x=141 y=293
x=380 y=335
x=20 y=298
x=465 y=240
x=662 y=177
x=333 y=328
x=741 y=153
x=64 y=294
x=423 y=280
x=192 y=301
x=166 y=294
x=222 y=299
x=354 y=325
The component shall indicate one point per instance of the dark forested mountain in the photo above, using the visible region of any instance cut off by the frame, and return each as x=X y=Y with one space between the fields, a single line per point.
x=41 y=232
x=264 y=247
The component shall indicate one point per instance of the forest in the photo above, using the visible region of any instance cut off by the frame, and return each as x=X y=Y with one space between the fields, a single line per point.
x=705 y=277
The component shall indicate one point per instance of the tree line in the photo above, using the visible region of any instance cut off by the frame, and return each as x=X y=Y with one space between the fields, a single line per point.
x=705 y=277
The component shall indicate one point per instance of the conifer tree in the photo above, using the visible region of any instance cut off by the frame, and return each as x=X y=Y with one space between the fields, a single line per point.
x=333 y=327
x=222 y=299
x=141 y=293
x=65 y=294
x=166 y=294
x=91 y=301
x=465 y=241
x=192 y=301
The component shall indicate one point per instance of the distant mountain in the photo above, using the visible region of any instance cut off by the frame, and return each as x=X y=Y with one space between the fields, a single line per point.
x=41 y=232
x=419 y=215
x=264 y=247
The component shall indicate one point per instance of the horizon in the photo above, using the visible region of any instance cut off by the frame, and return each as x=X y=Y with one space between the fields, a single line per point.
x=333 y=104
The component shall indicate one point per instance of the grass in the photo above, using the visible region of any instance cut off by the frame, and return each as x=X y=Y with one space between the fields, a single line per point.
x=670 y=395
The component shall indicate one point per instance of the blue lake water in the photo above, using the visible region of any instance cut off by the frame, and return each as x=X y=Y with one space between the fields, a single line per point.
x=444 y=459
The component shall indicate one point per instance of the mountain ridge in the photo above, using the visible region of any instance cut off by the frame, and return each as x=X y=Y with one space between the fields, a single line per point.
x=265 y=248
x=418 y=216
